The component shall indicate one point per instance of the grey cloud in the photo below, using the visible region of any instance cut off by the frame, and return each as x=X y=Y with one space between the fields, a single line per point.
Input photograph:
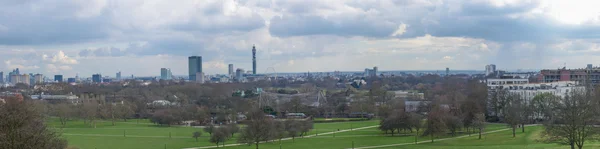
x=102 y=52
x=362 y=25
x=483 y=8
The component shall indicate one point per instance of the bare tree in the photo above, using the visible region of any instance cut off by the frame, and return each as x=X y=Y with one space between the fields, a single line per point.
x=416 y=122
x=453 y=123
x=210 y=129
x=479 y=123
x=512 y=112
x=63 y=112
x=22 y=126
x=218 y=136
x=233 y=128
x=196 y=135
x=435 y=121
x=573 y=118
x=258 y=128
x=292 y=127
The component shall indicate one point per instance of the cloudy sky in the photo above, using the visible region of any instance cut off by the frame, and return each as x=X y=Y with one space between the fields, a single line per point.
x=141 y=36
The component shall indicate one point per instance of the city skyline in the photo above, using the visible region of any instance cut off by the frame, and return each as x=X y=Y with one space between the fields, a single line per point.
x=106 y=36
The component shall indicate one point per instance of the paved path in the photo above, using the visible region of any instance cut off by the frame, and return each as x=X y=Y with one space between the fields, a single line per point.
x=309 y=136
x=435 y=140
x=126 y=136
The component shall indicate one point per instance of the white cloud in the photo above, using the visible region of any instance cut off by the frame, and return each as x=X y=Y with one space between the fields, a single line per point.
x=401 y=30
x=59 y=57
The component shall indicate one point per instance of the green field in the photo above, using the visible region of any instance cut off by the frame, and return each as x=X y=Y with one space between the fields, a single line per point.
x=141 y=134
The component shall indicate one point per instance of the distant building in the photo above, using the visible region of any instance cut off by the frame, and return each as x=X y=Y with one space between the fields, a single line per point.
x=106 y=80
x=580 y=75
x=371 y=72
x=58 y=78
x=1 y=77
x=200 y=77
x=590 y=66
x=239 y=74
x=165 y=74
x=97 y=78
x=231 y=72
x=490 y=69
x=16 y=79
x=195 y=66
x=447 y=71
x=118 y=76
x=253 y=59
x=38 y=78
x=71 y=80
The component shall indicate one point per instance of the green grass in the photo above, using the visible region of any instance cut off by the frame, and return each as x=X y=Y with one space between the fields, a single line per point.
x=145 y=135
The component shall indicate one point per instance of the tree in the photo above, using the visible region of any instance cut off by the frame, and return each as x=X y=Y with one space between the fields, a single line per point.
x=22 y=126
x=233 y=128
x=292 y=127
x=258 y=128
x=541 y=105
x=479 y=123
x=305 y=126
x=573 y=118
x=196 y=135
x=210 y=129
x=165 y=117
x=416 y=122
x=513 y=111
x=219 y=135
x=453 y=123
x=90 y=112
x=63 y=112
x=435 y=121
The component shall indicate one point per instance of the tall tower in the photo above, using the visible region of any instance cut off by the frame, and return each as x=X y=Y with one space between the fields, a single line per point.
x=253 y=59
x=195 y=66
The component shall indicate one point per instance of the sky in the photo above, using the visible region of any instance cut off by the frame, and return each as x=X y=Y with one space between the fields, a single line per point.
x=139 y=37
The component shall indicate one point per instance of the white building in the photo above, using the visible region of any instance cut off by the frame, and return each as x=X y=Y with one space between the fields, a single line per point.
x=490 y=69
x=528 y=91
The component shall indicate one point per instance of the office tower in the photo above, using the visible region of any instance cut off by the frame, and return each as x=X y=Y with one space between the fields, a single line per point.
x=20 y=79
x=239 y=74
x=71 y=80
x=231 y=73
x=118 y=76
x=97 y=78
x=447 y=71
x=195 y=66
x=590 y=66
x=165 y=74
x=1 y=77
x=38 y=78
x=200 y=77
x=253 y=59
x=17 y=71
x=31 y=78
x=375 y=71
x=58 y=78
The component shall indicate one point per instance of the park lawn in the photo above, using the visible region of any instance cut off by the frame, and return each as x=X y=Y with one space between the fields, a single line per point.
x=360 y=138
x=145 y=135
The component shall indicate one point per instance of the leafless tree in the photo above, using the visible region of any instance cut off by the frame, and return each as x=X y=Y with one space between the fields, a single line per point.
x=63 y=112
x=258 y=128
x=479 y=123
x=574 y=117
x=435 y=121
x=218 y=136
x=196 y=135
x=512 y=112
x=22 y=126
x=209 y=128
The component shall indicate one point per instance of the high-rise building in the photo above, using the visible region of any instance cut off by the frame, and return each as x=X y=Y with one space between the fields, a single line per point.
x=195 y=66
x=38 y=78
x=490 y=69
x=71 y=80
x=447 y=71
x=97 y=78
x=239 y=74
x=590 y=66
x=165 y=74
x=1 y=77
x=231 y=73
x=200 y=77
x=20 y=79
x=58 y=78
x=17 y=71
x=253 y=59
x=118 y=76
